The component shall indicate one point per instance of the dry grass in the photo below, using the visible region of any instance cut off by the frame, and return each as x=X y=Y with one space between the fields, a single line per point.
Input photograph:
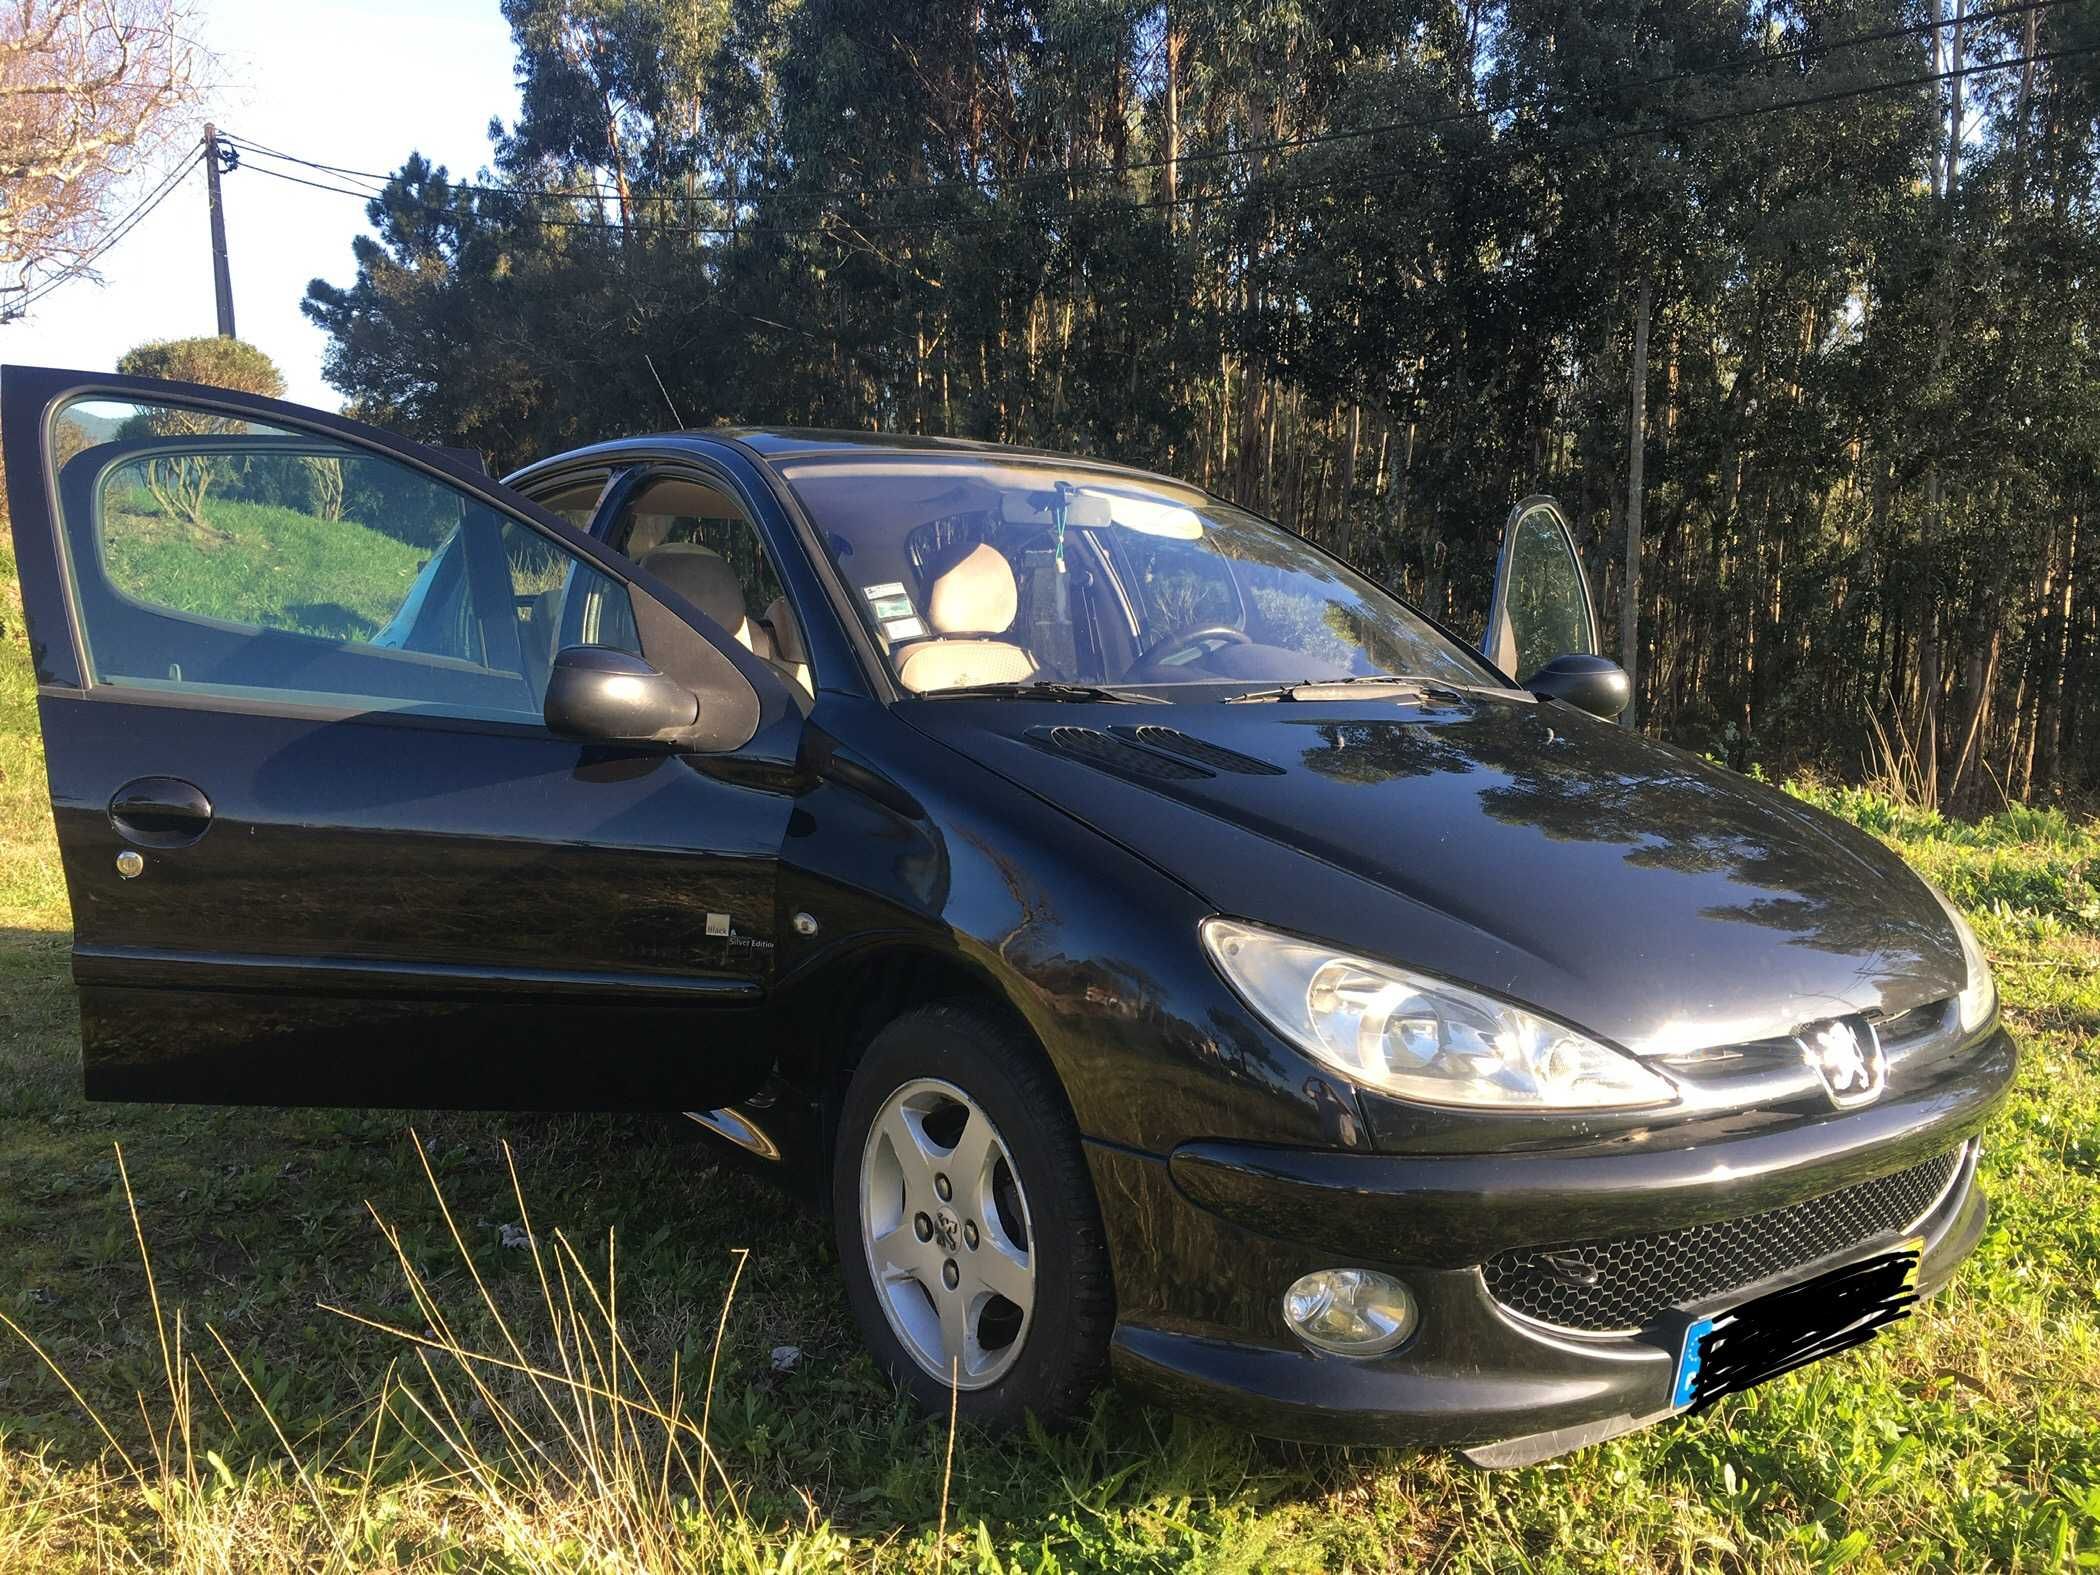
x=552 y=1447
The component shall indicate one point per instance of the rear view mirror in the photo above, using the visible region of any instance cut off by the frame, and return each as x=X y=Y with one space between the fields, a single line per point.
x=1088 y=510
x=1595 y=684
x=1083 y=510
x=603 y=696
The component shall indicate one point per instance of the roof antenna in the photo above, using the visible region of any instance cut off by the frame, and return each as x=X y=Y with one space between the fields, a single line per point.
x=675 y=419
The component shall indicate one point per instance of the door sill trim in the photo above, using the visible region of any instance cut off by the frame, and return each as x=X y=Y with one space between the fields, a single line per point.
x=152 y=968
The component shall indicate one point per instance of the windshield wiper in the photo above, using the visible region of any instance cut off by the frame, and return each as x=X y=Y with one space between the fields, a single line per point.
x=1314 y=688
x=1044 y=689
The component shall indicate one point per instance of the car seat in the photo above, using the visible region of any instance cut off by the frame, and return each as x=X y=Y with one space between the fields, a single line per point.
x=971 y=600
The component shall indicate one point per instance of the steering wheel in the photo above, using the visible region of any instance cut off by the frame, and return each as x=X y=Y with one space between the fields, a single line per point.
x=1181 y=639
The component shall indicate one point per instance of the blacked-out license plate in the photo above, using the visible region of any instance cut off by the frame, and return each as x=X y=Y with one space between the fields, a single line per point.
x=1730 y=1351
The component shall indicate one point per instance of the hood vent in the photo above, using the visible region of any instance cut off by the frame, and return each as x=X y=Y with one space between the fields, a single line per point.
x=1202 y=751
x=1097 y=748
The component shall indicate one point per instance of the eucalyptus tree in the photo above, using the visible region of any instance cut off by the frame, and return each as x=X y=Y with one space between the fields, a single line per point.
x=1792 y=303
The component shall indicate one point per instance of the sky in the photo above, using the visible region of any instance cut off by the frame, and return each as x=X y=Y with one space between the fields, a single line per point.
x=360 y=83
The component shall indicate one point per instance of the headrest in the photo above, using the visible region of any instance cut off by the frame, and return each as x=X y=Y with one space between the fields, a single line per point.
x=972 y=592
x=703 y=577
x=787 y=634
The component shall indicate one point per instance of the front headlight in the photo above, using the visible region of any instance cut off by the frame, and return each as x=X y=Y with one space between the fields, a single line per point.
x=1422 y=1038
x=1979 y=992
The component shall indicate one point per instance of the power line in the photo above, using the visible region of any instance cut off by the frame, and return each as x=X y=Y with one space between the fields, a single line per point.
x=579 y=193
x=835 y=223
x=1741 y=63
x=123 y=227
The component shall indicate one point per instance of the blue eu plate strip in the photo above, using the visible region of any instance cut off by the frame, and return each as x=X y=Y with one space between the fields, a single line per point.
x=1688 y=1358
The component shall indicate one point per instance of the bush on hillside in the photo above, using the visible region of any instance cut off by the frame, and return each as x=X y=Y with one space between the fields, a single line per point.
x=180 y=484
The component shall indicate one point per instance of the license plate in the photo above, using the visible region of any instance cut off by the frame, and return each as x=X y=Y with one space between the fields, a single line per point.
x=1728 y=1352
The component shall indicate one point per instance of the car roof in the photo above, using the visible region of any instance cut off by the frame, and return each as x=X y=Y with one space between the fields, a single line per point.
x=774 y=445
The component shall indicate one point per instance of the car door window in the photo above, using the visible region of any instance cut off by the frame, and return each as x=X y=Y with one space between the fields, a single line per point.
x=698 y=539
x=211 y=555
x=575 y=500
x=1542 y=602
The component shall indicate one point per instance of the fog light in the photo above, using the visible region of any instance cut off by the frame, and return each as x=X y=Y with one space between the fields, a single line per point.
x=1351 y=1312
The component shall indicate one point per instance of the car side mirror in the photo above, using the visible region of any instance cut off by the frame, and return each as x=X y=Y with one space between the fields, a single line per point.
x=604 y=696
x=1595 y=684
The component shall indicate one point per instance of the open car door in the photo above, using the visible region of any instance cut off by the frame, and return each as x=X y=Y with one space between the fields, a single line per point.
x=320 y=844
x=1541 y=604
x=1542 y=626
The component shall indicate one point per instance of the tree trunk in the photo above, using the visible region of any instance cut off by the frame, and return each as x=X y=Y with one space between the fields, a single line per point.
x=1173 y=63
x=1982 y=674
x=2048 y=724
x=1348 y=478
x=1636 y=454
x=1929 y=706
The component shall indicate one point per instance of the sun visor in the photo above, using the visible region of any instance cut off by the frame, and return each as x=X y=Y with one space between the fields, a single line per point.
x=1150 y=517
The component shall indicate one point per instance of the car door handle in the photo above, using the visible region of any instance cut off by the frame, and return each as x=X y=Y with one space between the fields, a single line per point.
x=160 y=812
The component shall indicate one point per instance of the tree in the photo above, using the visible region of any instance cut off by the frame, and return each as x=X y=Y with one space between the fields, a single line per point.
x=91 y=92
x=181 y=483
x=210 y=359
x=1709 y=270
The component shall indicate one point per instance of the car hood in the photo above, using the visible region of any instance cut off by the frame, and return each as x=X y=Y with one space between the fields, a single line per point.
x=1620 y=885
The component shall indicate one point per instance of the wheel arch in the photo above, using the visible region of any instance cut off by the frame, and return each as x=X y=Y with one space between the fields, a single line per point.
x=832 y=1009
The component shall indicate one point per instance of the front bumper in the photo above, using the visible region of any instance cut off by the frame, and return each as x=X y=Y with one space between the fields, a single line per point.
x=1205 y=1242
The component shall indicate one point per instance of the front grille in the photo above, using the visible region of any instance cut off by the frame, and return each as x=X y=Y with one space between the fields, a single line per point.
x=1634 y=1278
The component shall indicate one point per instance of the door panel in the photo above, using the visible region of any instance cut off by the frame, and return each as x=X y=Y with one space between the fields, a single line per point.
x=527 y=919
x=405 y=890
x=1541 y=606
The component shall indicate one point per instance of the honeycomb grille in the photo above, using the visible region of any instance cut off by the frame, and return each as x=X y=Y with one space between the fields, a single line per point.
x=1637 y=1277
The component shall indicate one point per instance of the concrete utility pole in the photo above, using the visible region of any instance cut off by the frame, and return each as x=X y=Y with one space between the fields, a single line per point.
x=222 y=283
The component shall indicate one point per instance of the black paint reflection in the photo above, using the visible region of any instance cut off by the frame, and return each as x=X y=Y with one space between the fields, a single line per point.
x=1581 y=782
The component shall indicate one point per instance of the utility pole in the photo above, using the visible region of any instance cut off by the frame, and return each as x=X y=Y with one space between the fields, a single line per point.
x=222 y=284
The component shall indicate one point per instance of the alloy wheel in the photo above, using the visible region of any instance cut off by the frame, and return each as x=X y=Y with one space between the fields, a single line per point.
x=945 y=1226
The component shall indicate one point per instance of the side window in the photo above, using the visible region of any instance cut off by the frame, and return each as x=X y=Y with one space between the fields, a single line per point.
x=675 y=512
x=215 y=556
x=698 y=540
x=1179 y=586
x=576 y=501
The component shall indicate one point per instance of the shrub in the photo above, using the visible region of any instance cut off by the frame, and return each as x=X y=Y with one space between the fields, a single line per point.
x=210 y=359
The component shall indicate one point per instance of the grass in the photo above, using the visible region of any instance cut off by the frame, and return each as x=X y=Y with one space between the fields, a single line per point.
x=260 y=563
x=271 y=1431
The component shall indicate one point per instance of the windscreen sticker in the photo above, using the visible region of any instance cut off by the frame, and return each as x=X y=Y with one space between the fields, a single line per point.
x=899 y=629
x=888 y=601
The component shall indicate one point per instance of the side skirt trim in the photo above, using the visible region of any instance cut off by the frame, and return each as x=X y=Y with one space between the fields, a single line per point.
x=139 y=967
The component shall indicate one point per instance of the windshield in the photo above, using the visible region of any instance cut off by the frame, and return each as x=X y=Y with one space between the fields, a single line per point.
x=973 y=571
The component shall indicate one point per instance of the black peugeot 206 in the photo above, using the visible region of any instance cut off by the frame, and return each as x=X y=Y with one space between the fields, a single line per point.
x=1167 y=954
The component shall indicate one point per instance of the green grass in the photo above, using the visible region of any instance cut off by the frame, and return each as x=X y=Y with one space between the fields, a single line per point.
x=259 y=563
x=1967 y=1439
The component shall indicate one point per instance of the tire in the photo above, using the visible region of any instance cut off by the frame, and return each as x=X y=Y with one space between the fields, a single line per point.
x=1020 y=1217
